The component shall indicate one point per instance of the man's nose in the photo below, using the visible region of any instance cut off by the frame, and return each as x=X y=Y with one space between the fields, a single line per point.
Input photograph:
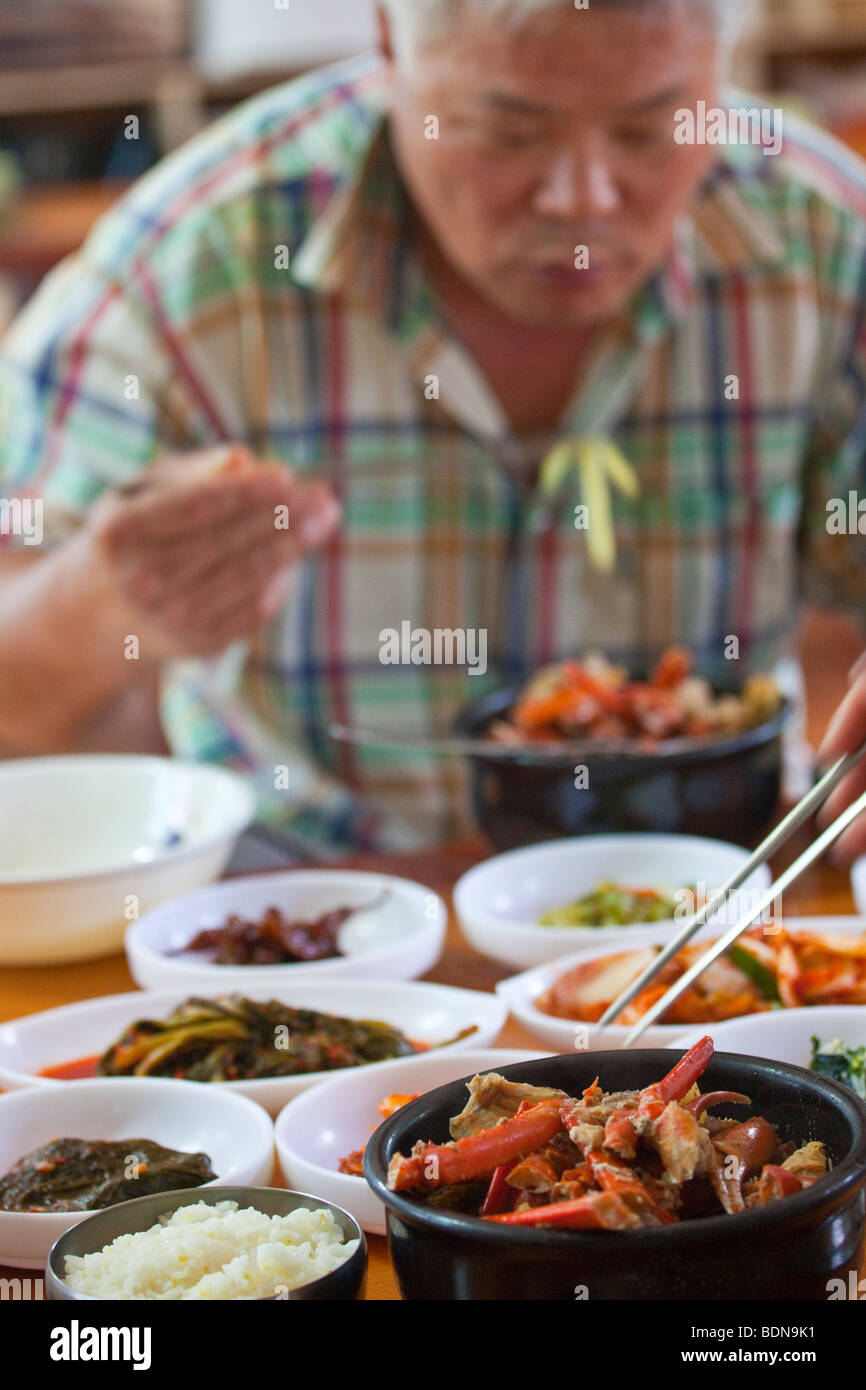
x=577 y=185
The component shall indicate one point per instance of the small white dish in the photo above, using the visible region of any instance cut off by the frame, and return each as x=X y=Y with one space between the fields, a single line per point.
x=236 y=1135
x=784 y=1035
x=425 y=1013
x=315 y=1130
x=399 y=938
x=500 y=901
x=858 y=884
x=87 y=841
x=567 y=1035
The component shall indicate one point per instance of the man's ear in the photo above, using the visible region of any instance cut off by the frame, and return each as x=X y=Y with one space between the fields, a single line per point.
x=384 y=38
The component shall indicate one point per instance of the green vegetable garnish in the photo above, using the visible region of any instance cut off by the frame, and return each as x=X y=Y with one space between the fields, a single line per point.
x=758 y=973
x=610 y=905
x=840 y=1063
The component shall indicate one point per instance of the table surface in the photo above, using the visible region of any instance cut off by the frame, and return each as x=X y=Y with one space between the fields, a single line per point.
x=22 y=991
x=822 y=890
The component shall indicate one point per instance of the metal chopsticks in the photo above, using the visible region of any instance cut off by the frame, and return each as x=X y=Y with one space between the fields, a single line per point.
x=777 y=837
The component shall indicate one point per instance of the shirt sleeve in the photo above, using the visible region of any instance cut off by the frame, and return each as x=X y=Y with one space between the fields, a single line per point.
x=833 y=529
x=88 y=394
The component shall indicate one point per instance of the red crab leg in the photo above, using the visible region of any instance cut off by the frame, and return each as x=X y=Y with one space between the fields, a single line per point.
x=679 y=1080
x=697 y=1106
x=599 y=1211
x=726 y=1186
x=616 y=1177
x=477 y=1155
x=777 y=1182
x=499 y=1194
x=621 y=1132
x=620 y=1135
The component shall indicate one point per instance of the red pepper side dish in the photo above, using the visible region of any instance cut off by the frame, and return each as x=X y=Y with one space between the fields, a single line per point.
x=765 y=969
x=595 y=700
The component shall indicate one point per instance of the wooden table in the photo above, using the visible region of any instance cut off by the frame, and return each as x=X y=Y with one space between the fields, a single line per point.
x=823 y=890
x=829 y=650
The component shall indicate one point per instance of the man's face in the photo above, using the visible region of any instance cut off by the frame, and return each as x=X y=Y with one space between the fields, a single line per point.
x=554 y=136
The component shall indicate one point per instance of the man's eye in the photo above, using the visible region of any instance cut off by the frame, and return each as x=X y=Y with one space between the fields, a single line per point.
x=643 y=135
x=505 y=138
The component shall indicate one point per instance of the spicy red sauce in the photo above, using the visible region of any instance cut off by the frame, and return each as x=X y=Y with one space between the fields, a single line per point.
x=79 y=1070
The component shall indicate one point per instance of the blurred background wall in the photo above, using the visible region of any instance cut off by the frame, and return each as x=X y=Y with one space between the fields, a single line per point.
x=72 y=71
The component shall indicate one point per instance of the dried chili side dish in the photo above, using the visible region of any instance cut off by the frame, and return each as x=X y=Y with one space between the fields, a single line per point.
x=275 y=939
x=531 y=1156
x=272 y=939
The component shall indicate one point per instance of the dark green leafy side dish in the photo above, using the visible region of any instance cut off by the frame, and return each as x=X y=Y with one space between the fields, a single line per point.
x=236 y=1039
x=841 y=1063
x=89 y=1174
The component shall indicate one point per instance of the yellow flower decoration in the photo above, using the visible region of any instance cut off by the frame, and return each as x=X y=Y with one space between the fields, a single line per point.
x=599 y=465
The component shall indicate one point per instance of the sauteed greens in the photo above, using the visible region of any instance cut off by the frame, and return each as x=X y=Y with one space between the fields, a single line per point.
x=232 y=1038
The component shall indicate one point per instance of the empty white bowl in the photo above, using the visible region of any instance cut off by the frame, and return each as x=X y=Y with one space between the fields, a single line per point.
x=236 y=1135
x=89 y=842
x=320 y=1127
x=858 y=884
x=426 y=1013
x=500 y=901
x=399 y=938
x=784 y=1035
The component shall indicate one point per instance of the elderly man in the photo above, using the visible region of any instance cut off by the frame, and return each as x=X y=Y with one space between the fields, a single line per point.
x=304 y=394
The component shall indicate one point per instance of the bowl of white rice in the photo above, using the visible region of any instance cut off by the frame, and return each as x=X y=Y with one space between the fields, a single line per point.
x=219 y=1243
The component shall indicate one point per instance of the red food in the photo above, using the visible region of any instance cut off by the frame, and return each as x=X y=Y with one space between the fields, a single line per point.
x=605 y=1161
x=81 y=1069
x=273 y=939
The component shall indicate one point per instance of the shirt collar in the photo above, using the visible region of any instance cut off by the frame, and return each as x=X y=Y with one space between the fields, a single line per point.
x=361 y=248
x=726 y=232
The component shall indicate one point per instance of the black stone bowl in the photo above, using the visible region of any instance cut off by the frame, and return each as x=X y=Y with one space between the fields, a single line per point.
x=790 y=1249
x=727 y=788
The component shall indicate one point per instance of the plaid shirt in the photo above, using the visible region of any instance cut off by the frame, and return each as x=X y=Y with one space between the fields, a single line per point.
x=179 y=326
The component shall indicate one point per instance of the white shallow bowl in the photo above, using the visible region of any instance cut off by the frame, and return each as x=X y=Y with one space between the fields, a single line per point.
x=499 y=902
x=426 y=1013
x=858 y=884
x=398 y=939
x=236 y=1135
x=520 y=992
x=86 y=841
x=317 y=1129
x=785 y=1035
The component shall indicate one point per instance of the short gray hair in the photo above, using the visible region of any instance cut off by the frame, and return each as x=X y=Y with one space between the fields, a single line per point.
x=416 y=19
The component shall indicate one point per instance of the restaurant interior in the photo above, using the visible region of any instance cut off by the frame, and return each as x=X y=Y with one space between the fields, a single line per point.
x=614 y=846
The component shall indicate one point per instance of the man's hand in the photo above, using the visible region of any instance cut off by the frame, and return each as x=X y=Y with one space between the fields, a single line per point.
x=198 y=554
x=193 y=557
x=846 y=732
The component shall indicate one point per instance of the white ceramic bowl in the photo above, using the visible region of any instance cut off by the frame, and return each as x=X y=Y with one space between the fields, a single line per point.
x=426 y=1013
x=87 y=841
x=858 y=884
x=236 y=1135
x=565 y=1035
x=784 y=1035
x=499 y=902
x=318 y=1128
x=398 y=939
